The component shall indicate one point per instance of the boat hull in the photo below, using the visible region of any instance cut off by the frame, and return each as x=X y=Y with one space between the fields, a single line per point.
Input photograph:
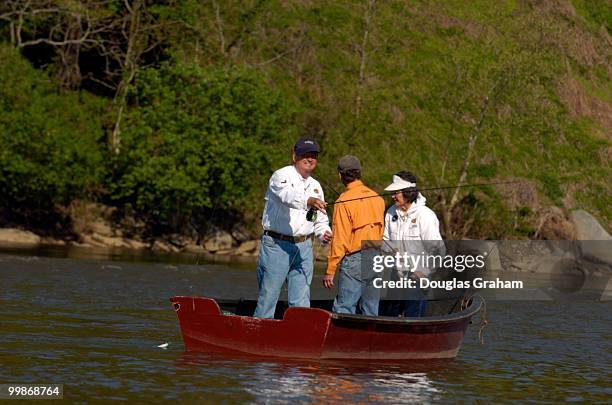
x=313 y=333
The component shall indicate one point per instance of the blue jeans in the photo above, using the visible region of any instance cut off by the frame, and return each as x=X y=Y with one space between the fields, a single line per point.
x=278 y=261
x=415 y=308
x=355 y=287
x=410 y=302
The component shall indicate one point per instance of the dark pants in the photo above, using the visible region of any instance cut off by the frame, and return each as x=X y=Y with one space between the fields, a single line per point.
x=408 y=308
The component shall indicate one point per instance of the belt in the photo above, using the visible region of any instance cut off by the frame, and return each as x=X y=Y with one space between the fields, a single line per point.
x=292 y=239
x=360 y=251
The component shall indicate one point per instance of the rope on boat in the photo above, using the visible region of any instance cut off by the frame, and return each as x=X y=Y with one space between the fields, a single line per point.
x=484 y=322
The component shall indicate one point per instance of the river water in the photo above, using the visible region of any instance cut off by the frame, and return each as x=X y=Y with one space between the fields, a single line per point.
x=95 y=324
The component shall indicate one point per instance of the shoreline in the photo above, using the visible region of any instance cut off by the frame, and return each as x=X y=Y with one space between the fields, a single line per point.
x=216 y=246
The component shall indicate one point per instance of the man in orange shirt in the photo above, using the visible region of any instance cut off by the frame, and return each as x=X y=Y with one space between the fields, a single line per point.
x=360 y=218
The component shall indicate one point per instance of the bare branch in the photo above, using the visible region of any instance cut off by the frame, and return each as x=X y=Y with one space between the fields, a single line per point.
x=366 y=32
x=279 y=56
x=370 y=10
x=219 y=28
x=128 y=7
x=6 y=16
x=100 y=82
x=20 y=25
x=52 y=42
x=120 y=37
x=468 y=157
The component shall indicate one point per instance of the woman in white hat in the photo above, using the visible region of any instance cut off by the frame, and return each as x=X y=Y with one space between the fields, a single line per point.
x=410 y=225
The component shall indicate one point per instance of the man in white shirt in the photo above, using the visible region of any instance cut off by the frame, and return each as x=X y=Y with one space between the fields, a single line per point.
x=285 y=252
x=413 y=228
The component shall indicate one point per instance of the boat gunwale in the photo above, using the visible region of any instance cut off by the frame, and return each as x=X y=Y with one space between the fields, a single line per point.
x=476 y=303
x=474 y=307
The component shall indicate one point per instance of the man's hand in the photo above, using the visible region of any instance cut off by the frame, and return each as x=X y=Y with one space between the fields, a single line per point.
x=326 y=237
x=318 y=204
x=328 y=281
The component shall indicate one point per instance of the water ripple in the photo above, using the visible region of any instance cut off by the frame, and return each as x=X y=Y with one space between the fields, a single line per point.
x=95 y=327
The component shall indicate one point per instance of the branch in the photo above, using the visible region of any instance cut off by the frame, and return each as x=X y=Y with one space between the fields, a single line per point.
x=471 y=144
x=6 y=16
x=219 y=28
x=493 y=93
x=364 y=42
x=54 y=43
x=91 y=77
x=362 y=52
x=279 y=56
x=20 y=25
x=127 y=6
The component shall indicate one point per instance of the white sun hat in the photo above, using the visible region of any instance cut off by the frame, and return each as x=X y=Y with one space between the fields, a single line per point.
x=399 y=184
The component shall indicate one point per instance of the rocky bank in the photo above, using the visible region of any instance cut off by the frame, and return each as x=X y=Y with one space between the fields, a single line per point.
x=101 y=233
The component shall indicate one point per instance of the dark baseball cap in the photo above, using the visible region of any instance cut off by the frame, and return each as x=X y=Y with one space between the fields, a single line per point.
x=305 y=145
x=348 y=162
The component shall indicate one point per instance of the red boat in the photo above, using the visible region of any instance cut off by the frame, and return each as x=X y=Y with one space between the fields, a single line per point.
x=316 y=333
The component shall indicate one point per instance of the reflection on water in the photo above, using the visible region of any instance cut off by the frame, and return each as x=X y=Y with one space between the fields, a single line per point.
x=95 y=325
x=329 y=381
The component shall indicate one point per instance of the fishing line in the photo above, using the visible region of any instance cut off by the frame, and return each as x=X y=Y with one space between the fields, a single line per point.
x=330 y=187
x=425 y=189
x=311 y=214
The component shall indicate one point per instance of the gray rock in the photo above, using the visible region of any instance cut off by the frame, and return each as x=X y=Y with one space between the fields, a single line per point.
x=52 y=241
x=179 y=241
x=587 y=227
x=219 y=240
x=18 y=237
x=162 y=246
x=101 y=227
x=193 y=248
x=597 y=245
x=248 y=248
x=226 y=252
x=89 y=240
x=109 y=241
x=607 y=293
x=135 y=244
x=240 y=234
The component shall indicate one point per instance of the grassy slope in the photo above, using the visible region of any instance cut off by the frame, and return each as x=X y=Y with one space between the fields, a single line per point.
x=432 y=71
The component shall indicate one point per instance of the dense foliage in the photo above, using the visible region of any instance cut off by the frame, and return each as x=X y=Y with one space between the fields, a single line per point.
x=177 y=107
x=50 y=151
x=198 y=139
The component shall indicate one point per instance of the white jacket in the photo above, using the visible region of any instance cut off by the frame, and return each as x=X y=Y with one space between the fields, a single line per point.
x=409 y=232
x=286 y=208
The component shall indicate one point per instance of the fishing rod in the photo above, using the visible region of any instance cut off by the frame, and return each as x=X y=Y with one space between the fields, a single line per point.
x=311 y=215
x=425 y=189
x=330 y=187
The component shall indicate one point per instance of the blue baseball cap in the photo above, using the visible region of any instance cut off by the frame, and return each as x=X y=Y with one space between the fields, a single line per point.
x=305 y=145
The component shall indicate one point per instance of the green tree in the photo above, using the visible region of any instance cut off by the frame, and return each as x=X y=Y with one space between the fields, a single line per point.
x=198 y=138
x=48 y=140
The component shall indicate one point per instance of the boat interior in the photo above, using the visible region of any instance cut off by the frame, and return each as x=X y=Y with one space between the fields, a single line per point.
x=435 y=308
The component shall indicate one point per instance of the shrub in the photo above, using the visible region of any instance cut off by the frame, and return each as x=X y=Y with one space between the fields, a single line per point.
x=49 y=150
x=198 y=138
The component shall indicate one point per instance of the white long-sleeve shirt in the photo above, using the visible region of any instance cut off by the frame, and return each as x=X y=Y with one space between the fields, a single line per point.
x=286 y=204
x=416 y=231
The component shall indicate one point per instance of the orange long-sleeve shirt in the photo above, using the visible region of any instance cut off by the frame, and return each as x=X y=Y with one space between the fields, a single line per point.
x=354 y=222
